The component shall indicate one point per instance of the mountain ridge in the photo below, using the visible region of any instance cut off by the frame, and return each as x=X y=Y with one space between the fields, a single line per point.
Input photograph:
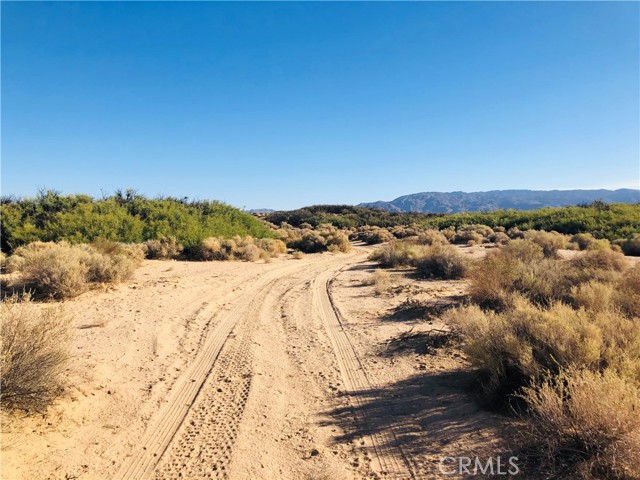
x=458 y=201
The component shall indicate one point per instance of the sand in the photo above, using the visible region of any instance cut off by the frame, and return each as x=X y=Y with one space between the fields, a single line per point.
x=252 y=371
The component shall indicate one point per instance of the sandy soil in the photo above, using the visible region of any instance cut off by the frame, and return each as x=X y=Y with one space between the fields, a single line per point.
x=285 y=370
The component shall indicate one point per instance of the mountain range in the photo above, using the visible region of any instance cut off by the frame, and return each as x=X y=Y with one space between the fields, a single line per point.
x=456 y=202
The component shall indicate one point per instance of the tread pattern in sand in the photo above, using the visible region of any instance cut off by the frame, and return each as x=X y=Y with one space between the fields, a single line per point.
x=168 y=420
x=390 y=459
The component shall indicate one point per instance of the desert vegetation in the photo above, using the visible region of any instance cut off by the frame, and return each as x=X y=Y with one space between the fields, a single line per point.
x=609 y=221
x=123 y=217
x=33 y=354
x=558 y=341
x=62 y=270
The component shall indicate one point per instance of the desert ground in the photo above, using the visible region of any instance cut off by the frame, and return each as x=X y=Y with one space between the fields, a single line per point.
x=240 y=370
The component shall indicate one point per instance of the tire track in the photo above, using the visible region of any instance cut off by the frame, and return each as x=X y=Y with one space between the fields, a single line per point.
x=203 y=445
x=183 y=394
x=387 y=453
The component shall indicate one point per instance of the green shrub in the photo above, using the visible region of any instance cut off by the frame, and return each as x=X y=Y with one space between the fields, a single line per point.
x=631 y=246
x=33 y=353
x=124 y=217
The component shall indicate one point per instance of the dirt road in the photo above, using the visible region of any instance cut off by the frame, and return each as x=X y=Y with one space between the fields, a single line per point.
x=227 y=370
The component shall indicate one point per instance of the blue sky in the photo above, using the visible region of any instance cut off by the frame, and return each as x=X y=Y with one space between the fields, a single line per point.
x=282 y=105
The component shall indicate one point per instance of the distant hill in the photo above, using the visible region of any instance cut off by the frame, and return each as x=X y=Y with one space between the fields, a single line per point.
x=260 y=210
x=457 y=202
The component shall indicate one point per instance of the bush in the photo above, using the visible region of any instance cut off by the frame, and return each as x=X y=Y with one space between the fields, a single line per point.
x=516 y=347
x=631 y=246
x=627 y=292
x=34 y=351
x=550 y=242
x=381 y=281
x=432 y=237
x=398 y=253
x=164 y=248
x=601 y=260
x=519 y=267
x=272 y=246
x=586 y=423
x=499 y=238
x=583 y=240
x=62 y=270
x=441 y=261
x=298 y=255
x=374 y=235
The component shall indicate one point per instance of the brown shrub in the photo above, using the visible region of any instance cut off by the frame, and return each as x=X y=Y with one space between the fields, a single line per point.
x=33 y=352
x=550 y=242
x=164 y=248
x=586 y=424
x=62 y=270
x=381 y=281
x=627 y=292
x=593 y=295
x=399 y=253
x=601 y=260
x=584 y=240
x=375 y=235
x=432 y=237
x=441 y=261
x=499 y=238
x=520 y=345
x=272 y=246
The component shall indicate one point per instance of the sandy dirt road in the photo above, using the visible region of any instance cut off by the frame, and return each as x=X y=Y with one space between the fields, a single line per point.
x=231 y=370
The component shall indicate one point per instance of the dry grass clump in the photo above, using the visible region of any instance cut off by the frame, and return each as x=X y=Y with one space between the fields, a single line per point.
x=298 y=255
x=165 y=248
x=585 y=424
x=33 y=351
x=441 y=261
x=550 y=242
x=60 y=270
x=381 y=280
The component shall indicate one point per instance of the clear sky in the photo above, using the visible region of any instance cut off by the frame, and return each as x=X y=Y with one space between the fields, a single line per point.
x=281 y=105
